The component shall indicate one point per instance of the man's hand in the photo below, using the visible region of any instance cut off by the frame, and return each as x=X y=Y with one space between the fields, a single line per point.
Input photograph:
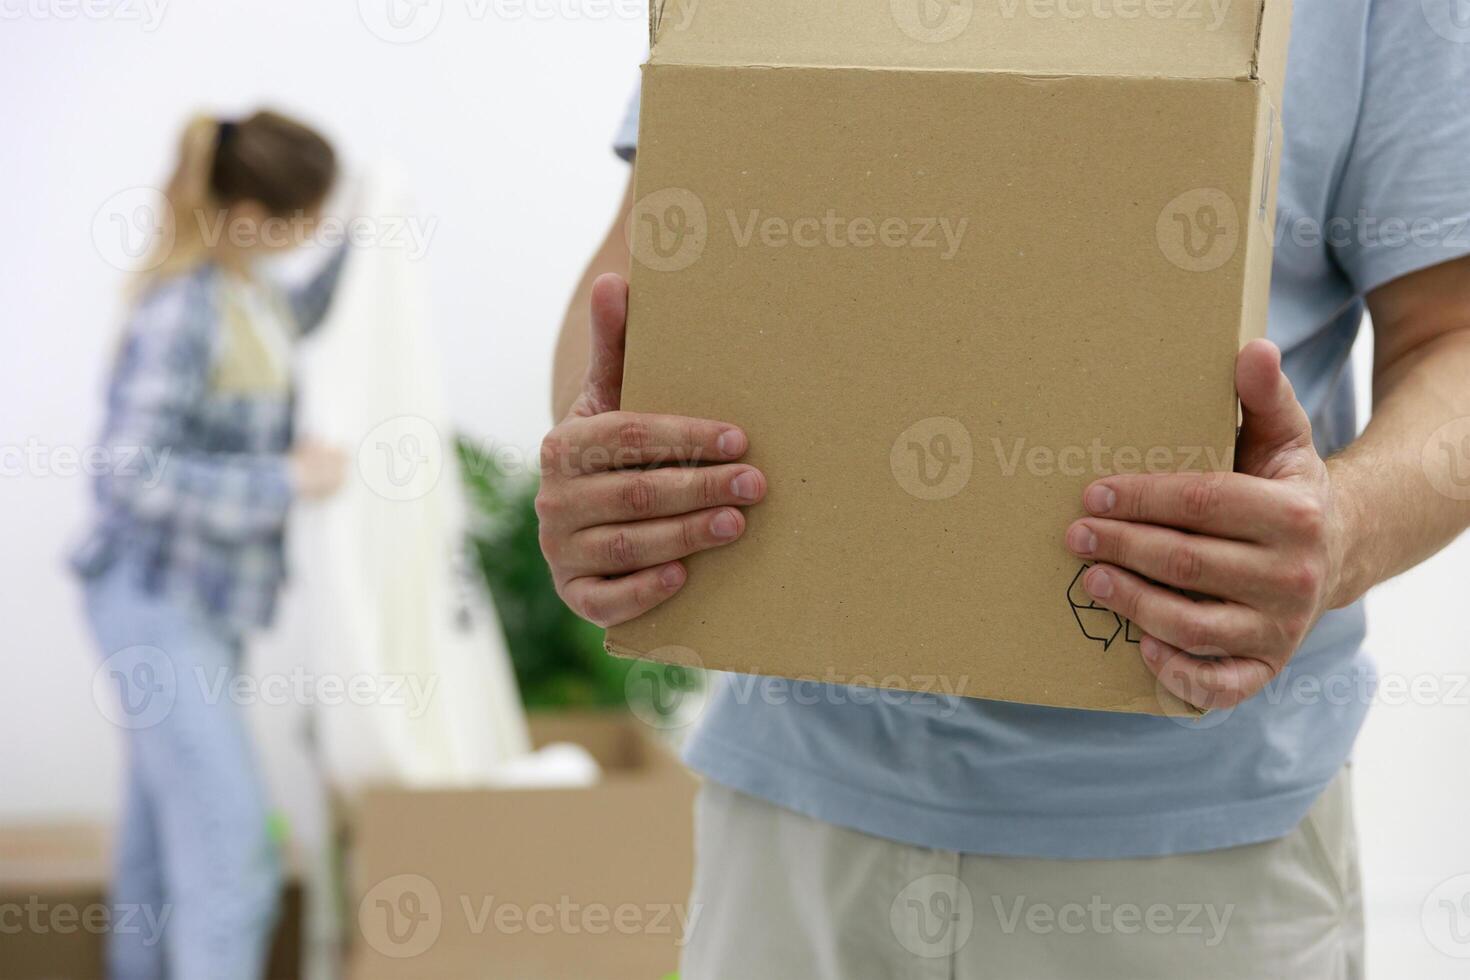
x=616 y=516
x=1264 y=543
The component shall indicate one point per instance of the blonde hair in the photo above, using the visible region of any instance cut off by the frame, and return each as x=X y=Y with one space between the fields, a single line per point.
x=283 y=164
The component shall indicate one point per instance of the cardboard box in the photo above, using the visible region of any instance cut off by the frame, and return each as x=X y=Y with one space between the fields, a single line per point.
x=531 y=884
x=54 y=911
x=946 y=264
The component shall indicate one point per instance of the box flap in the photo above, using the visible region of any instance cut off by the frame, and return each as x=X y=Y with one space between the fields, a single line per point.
x=1169 y=38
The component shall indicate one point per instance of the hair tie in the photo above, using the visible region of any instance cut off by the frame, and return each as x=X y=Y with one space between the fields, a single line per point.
x=226 y=133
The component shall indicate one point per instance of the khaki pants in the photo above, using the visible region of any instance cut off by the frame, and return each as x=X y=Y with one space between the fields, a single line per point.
x=780 y=896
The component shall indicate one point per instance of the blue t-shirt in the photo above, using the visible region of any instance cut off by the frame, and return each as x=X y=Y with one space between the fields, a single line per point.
x=1375 y=185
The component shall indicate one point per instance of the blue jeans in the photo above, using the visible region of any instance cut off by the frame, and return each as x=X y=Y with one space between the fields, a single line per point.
x=194 y=861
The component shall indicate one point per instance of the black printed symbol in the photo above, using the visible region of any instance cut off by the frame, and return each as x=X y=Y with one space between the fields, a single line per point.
x=1098 y=622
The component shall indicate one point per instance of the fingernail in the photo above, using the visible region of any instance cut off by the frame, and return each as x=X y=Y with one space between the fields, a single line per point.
x=746 y=486
x=1099 y=584
x=672 y=576
x=1100 y=499
x=731 y=442
x=724 y=525
x=1081 y=539
x=1152 y=649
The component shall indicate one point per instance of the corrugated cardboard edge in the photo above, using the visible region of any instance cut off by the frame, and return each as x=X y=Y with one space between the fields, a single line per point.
x=1273 y=39
x=1163 y=704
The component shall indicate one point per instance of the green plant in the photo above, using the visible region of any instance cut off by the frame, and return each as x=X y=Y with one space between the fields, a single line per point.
x=559 y=660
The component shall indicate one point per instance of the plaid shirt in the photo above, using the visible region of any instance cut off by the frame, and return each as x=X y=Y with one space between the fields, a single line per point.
x=195 y=490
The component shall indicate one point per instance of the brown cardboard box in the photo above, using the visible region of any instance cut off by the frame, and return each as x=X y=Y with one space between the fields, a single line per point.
x=946 y=264
x=531 y=884
x=54 y=912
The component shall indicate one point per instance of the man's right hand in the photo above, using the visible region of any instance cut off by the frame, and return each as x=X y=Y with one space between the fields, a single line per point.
x=621 y=501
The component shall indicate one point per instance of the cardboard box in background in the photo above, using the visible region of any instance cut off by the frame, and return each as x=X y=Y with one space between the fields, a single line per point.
x=53 y=897
x=945 y=274
x=530 y=884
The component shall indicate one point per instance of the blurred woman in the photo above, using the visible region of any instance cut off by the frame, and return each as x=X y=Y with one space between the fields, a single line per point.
x=186 y=554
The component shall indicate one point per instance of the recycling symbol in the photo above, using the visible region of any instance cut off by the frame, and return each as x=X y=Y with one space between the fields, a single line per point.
x=1098 y=622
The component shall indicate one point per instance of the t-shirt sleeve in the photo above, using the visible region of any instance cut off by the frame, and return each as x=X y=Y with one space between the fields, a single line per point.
x=1403 y=203
x=625 y=144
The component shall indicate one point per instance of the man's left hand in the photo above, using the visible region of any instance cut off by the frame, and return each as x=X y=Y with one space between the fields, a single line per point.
x=1264 y=544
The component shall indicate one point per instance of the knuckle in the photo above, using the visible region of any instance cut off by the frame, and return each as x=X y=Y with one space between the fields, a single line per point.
x=1184 y=565
x=709 y=489
x=621 y=550
x=1306 y=516
x=1196 y=633
x=633 y=434
x=596 y=611
x=1200 y=499
x=1302 y=580
x=555 y=448
x=548 y=506
x=550 y=544
x=691 y=534
x=639 y=496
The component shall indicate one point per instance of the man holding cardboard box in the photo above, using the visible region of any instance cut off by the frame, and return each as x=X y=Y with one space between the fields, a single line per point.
x=791 y=332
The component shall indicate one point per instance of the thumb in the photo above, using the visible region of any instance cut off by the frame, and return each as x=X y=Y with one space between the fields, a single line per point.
x=603 y=389
x=1274 y=424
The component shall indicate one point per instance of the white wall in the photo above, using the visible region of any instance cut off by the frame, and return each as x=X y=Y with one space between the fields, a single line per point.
x=502 y=124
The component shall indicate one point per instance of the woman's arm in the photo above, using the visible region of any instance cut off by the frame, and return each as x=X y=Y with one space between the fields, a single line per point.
x=310 y=301
x=161 y=377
